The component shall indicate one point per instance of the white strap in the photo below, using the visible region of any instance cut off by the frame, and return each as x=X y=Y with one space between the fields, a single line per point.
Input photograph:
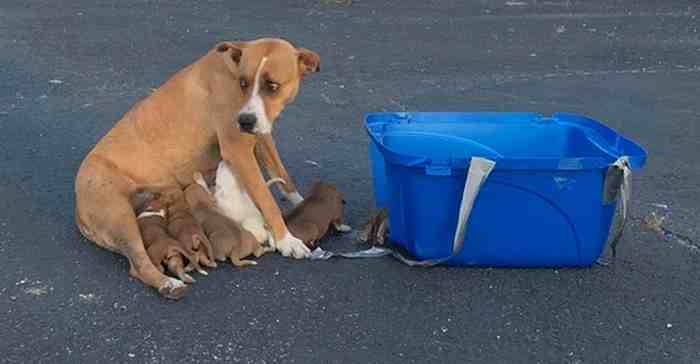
x=623 y=163
x=479 y=170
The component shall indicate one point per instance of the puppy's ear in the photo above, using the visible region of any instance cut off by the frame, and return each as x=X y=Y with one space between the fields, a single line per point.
x=309 y=61
x=233 y=49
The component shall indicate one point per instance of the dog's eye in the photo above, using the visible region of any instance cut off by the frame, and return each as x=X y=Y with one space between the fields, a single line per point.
x=244 y=83
x=272 y=86
x=344 y=202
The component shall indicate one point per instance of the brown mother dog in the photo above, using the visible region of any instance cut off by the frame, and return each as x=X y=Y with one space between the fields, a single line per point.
x=221 y=106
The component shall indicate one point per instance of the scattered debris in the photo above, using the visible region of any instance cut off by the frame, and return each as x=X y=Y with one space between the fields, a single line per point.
x=37 y=291
x=55 y=82
x=21 y=282
x=560 y=29
x=313 y=163
x=515 y=3
x=88 y=298
x=669 y=325
x=654 y=222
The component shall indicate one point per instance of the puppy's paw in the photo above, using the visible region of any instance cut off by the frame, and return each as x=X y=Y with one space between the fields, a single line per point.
x=343 y=228
x=291 y=246
x=257 y=228
x=172 y=288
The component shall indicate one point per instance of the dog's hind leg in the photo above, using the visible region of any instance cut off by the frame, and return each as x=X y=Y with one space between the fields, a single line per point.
x=106 y=217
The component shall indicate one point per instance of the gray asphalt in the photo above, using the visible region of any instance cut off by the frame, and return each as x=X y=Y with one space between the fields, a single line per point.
x=70 y=69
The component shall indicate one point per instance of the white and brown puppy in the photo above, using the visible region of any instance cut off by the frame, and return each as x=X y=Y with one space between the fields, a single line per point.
x=221 y=107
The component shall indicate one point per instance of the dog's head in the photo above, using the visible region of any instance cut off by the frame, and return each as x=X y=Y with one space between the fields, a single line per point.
x=269 y=73
x=331 y=197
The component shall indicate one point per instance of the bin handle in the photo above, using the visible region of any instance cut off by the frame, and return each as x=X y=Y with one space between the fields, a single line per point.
x=479 y=170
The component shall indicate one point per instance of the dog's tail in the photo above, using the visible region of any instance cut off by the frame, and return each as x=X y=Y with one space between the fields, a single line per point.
x=272 y=181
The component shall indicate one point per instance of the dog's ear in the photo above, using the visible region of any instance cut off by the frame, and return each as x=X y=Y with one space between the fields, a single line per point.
x=234 y=50
x=309 y=61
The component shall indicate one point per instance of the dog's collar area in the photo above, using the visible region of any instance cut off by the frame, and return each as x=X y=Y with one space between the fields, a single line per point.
x=147 y=213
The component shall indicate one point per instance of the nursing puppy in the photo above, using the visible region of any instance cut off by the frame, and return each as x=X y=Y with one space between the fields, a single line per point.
x=227 y=239
x=161 y=248
x=185 y=228
x=322 y=207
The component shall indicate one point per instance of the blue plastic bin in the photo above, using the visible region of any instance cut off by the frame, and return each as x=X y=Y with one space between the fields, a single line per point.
x=542 y=205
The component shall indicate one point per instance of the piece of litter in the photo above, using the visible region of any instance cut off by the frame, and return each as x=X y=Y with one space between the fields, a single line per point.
x=516 y=3
x=37 y=291
x=131 y=355
x=90 y=297
x=55 y=82
x=313 y=163
x=668 y=326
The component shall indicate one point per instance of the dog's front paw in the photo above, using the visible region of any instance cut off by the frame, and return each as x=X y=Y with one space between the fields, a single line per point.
x=291 y=246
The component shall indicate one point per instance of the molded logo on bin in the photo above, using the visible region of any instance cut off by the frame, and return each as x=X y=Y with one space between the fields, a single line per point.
x=564 y=183
x=438 y=170
x=570 y=163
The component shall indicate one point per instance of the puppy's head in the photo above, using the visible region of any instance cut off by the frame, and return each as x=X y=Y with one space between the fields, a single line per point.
x=196 y=195
x=269 y=73
x=331 y=197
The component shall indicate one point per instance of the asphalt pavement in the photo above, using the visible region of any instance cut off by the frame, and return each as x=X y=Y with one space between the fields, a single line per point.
x=70 y=69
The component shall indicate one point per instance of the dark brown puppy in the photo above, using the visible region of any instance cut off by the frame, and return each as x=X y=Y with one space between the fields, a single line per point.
x=321 y=208
x=161 y=247
x=184 y=227
x=228 y=240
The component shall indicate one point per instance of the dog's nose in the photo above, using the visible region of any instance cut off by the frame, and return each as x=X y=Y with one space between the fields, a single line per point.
x=247 y=122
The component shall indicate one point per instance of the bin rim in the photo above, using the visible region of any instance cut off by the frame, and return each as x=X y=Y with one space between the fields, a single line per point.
x=612 y=143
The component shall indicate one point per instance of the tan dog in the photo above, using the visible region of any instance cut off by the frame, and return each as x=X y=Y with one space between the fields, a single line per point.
x=227 y=238
x=186 y=229
x=321 y=208
x=160 y=246
x=222 y=106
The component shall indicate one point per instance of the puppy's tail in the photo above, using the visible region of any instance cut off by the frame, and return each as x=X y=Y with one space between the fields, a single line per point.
x=272 y=181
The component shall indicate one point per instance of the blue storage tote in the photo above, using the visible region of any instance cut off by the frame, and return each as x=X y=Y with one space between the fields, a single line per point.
x=541 y=206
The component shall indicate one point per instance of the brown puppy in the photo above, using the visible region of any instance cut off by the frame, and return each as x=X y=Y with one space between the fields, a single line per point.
x=228 y=240
x=185 y=228
x=190 y=123
x=321 y=208
x=161 y=247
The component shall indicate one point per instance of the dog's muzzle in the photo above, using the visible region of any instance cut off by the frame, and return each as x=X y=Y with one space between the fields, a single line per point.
x=247 y=122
